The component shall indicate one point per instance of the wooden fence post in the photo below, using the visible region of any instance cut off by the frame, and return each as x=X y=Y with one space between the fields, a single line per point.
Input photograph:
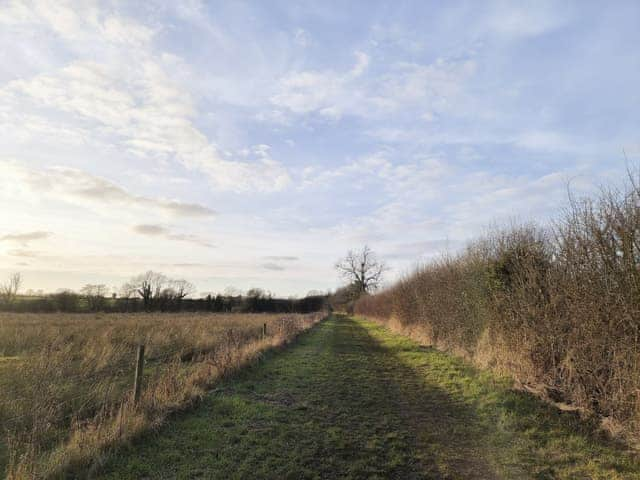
x=137 y=383
x=264 y=331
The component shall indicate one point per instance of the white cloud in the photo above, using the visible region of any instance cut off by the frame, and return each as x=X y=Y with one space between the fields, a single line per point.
x=282 y=258
x=131 y=100
x=154 y=230
x=273 y=266
x=75 y=21
x=149 y=114
x=432 y=87
x=26 y=237
x=524 y=19
x=79 y=188
x=409 y=176
x=548 y=141
x=323 y=92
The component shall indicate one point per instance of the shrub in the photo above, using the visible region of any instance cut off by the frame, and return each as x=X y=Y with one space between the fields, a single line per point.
x=558 y=307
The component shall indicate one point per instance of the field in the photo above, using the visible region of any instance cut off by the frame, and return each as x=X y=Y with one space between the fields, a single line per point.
x=66 y=379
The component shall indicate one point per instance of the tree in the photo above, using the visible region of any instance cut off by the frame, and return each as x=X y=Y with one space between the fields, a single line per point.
x=94 y=295
x=65 y=300
x=182 y=288
x=171 y=296
x=315 y=293
x=256 y=293
x=232 y=291
x=362 y=269
x=149 y=286
x=9 y=290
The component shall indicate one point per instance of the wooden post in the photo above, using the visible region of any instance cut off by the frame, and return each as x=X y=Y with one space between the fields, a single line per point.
x=264 y=330
x=137 y=383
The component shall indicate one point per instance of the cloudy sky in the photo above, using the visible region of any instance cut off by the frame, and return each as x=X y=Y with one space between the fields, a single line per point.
x=252 y=143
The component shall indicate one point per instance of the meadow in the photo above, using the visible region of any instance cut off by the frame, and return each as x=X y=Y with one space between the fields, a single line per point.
x=66 y=380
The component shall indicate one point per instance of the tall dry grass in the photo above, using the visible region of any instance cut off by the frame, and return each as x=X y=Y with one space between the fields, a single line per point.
x=557 y=307
x=66 y=380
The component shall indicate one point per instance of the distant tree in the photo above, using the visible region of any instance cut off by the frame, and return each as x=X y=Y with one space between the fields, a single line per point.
x=182 y=288
x=65 y=300
x=257 y=300
x=256 y=293
x=362 y=269
x=94 y=295
x=149 y=286
x=10 y=289
x=231 y=291
x=172 y=295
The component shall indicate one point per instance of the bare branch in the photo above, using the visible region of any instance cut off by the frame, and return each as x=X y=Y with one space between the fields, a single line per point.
x=362 y=269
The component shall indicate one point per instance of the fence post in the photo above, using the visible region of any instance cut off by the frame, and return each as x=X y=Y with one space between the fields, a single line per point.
x=137 y=382
x=264 y=330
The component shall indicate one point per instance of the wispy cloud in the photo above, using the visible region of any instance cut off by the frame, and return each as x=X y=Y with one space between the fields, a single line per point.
x=23 y=253
x=25 y=238
x=148 y=114
x=281 y=258
x=78 y=187
x=512 y=20
x=429 y=88
x=273 y=266
x=132 y=100
x=164 y=232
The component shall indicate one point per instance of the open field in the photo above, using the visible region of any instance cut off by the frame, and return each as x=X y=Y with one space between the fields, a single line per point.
x=352 y=400
x=66 y=380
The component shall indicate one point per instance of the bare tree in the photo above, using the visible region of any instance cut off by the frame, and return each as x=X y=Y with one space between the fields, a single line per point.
x=148 y=285
x=362 y=269
x=9 y=290
x=232 y=291
x=94 y=295
x=182 y=288
x=172 y=295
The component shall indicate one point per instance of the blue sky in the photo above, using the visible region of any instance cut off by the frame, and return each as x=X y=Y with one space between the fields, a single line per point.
x=251 y=144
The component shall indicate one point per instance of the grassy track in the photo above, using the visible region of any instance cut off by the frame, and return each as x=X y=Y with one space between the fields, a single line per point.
x=351 y=400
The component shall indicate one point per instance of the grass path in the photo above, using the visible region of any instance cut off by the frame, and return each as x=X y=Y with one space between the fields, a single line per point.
x=352 y=400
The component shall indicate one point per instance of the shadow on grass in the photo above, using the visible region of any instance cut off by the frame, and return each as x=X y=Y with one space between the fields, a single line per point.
x=335 y=405
x=524 y=436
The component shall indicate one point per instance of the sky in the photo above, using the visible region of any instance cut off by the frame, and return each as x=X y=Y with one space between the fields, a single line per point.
x=251 y=144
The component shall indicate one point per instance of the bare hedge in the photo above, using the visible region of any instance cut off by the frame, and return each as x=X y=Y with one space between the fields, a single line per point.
x=558 y=306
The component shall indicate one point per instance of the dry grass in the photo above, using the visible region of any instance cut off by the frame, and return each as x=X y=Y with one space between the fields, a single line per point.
x=66 y=379
x=556 y=307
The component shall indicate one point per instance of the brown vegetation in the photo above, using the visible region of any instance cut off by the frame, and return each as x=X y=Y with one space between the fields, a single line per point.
x=66 y=379
x=557 y=307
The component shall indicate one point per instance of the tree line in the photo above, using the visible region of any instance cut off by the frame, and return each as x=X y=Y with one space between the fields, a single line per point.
x=152 y=292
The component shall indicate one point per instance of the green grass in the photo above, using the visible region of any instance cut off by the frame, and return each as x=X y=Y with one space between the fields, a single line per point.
x=352 y=400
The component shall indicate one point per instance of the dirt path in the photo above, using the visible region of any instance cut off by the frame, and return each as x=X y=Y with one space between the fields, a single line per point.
x=351 y=400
